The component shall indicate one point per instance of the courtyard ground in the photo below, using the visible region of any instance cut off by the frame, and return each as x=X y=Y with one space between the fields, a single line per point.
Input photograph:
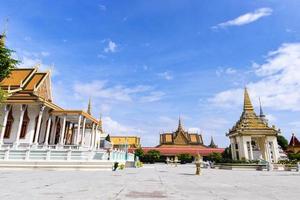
x=150 y=182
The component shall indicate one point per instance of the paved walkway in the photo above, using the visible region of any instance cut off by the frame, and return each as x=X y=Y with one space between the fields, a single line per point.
x=150 y=182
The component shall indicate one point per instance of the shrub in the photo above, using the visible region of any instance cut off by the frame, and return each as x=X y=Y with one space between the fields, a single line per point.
x=185 y=158
x=215 y=157
x=139 y=153
x=152 y=156
x=294 y=156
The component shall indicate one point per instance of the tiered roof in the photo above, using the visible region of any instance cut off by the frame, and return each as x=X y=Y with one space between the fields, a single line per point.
x=249 y=123
x=28 y=86
x=294 y=142
x=180 y=137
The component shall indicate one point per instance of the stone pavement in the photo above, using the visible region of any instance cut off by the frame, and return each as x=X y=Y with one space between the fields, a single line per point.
x=150 y=182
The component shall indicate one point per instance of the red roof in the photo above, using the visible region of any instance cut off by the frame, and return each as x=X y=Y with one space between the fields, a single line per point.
x=171 y=151
x=294 y=141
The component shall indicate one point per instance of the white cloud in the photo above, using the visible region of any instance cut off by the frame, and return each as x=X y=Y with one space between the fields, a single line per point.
x=278 y=84
x=111 y=47
x=28 y=62
x=166 y=75
x=115 y=128
x=102 y=7
x=153 y=96
x=228 y=71
x=100 y=89
x=246 y=18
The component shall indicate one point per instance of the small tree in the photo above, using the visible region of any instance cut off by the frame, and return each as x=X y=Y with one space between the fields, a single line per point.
x=152 y=156
x=185 y=158
x=7 y=63
x=215 y=157
x=282 y=141
x=139 y=153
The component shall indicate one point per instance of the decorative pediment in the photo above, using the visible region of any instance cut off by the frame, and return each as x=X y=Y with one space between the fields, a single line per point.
x=181 y=139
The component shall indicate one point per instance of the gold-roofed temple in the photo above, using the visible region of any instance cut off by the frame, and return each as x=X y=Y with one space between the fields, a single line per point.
x=251 y=138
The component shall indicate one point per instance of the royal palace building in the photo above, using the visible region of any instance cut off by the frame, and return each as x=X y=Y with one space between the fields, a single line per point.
x=29 y=117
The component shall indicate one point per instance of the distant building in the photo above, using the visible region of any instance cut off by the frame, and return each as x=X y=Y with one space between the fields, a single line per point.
x=121 y=142
x=294 y=145
x=251 y=138
x=180 y=138
x=181 y=142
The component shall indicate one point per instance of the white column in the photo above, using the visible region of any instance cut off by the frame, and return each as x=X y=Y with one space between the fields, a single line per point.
x=95 y=139
x=53 y=130
x=37 y=134
x=62 y=133
x=83 y=132
x=22 y=109
x=6 y=112
x=92 y=136
x=48 y=131
x=78 y=130
x=251 y=150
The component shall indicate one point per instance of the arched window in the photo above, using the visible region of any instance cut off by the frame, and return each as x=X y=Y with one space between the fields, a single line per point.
x=10 y=121
x=24 y=125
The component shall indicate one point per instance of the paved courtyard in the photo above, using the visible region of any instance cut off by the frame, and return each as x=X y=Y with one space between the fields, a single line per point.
x=150 y=182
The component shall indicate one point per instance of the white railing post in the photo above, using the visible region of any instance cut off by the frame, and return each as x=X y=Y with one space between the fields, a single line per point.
x=69 y=154
x=48 y=154
x=6 y=154
x=27 y=154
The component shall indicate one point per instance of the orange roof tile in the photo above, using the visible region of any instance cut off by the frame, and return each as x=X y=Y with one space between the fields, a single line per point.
x=17 y=77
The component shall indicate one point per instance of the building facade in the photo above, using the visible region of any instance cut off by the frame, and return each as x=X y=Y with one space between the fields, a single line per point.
x=121 y=142
x=251 y=138
x=29 y=117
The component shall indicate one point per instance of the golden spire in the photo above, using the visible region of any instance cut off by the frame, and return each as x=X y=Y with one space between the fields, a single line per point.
x=179 y=124
x=89 y=109
x=247 y=102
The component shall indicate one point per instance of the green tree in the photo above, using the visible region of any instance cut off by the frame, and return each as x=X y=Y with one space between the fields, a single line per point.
x=152 y=156
x=282 y=142
x=227 y=153
x=185 y=158
x=7 y=63
x=108 y=138
x=139 y=153
x=215 y=157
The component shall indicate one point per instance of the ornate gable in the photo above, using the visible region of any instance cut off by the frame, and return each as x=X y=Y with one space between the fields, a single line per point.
x=44 y=89
x=180 y=138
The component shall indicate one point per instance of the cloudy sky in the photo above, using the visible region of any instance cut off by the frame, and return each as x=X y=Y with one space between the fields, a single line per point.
x=144 y=63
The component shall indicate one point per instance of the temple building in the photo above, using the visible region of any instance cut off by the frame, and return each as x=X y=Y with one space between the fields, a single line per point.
x=294 y=145
x=251 y=138
x=30 y=118
x=181 y=142
x=180 y=138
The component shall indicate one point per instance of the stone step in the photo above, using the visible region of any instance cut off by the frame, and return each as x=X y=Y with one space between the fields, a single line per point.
x=89 y=165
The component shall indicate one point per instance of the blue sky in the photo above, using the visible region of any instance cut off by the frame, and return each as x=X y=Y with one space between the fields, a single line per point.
x=144 y=63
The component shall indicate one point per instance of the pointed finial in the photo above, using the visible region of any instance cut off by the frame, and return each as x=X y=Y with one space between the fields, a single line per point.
x=179 y=124
x=247 y=102
x=212 y=143
x=89 y=109
x=261 y=113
